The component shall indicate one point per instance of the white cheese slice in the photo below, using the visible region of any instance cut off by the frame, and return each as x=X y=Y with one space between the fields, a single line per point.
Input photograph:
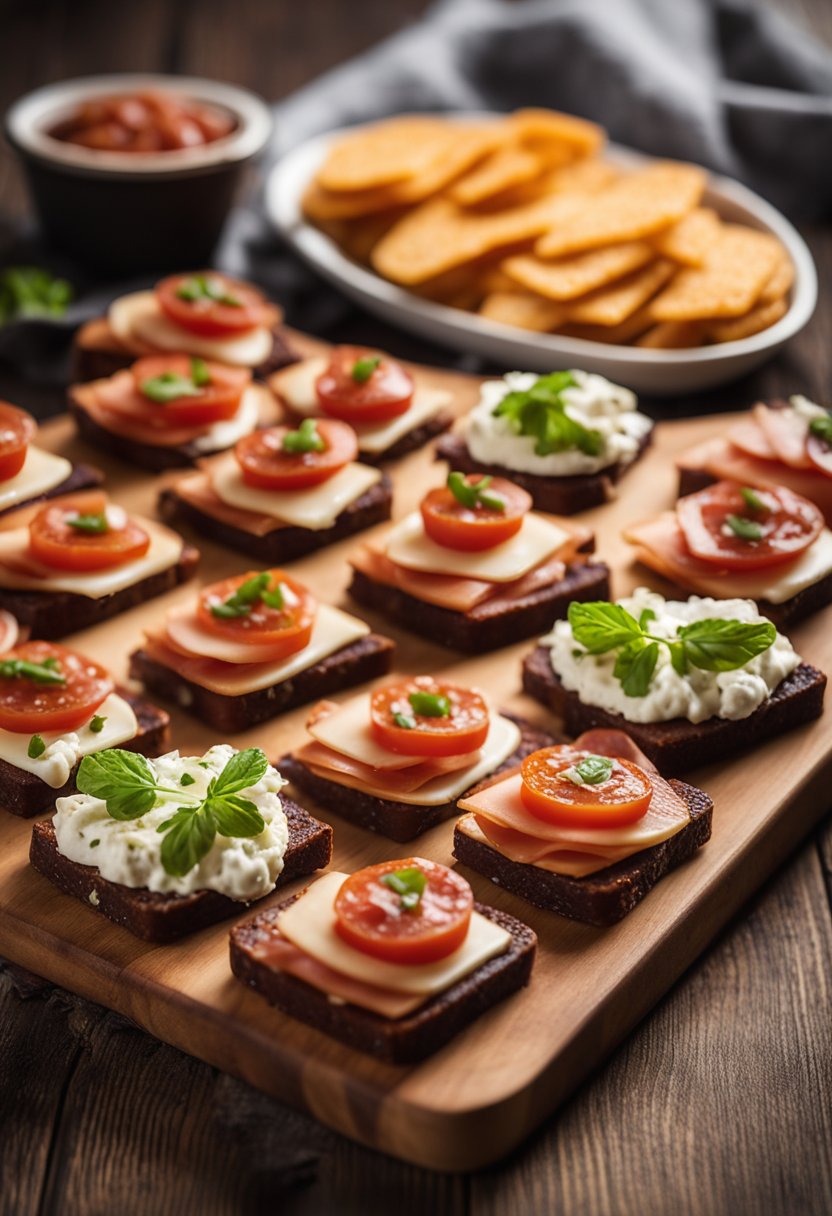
x=65 y=749
x=296 y=386
x=221 y=435
x=315 y=508
x=41 y=472
x=138 y=315
x=309 y=923
x=408 y=545
x=333 y=629
x=165 y=551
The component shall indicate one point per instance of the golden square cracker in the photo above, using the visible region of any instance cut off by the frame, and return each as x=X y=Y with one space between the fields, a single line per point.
x=638 y=205
x=753 y=322
x=549 y=130
x=502 y=170
x=523 y=310
x=689 y=239
x=729 y=281
x=672 y=335
x=616 y=335
x=782 y=278
x=384 y=153
x=615 y=303
x=569 y=277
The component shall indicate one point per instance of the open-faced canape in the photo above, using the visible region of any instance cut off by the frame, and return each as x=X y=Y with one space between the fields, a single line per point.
x=167 y=846
x=584 y=829
x=691 y=681
x=396 y=760
x=566 y=438
x=283 y=492
x=393 y=960
x=82 y=559
x=254 y=645
x=475 y=569
x=392 y=413
x=29 y=474
x=203 y=313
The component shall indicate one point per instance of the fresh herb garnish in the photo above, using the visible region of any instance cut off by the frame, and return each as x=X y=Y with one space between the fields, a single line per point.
x=305 y=438
x=95 y=522
x=170 y=386
x=36 y=747
x=97 y=724
x=474 y=494
x=187 y=779
x=745 y=529
x=204 y=287
x=711 y=645
x=821 y=428
x=540 y=413
x=199 y=372
x=127 y=784
x=592 y=770
x=430 y=704
x=409 y=884
x=95 y=843
x=404 y=721
x=47 y=672
x=362 y=369
x=28 y=291
x=255 y=590
x=753 y=500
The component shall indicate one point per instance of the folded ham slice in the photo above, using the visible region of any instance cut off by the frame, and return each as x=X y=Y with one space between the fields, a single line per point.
x=196 y=489
x=724 y=461
x=385 y=783
x=99 y=399
x=786 y=433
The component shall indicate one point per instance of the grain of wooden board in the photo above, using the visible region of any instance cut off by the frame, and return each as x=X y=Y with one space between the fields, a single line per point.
x=473 y=1101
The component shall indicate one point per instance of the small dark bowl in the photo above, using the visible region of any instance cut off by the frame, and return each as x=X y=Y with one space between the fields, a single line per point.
x=131 y=212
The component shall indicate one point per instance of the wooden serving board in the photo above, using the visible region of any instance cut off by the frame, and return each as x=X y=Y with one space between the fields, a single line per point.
x=481 y=1095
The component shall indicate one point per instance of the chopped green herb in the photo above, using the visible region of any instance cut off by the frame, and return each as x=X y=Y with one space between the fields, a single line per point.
x=97 y=724
x=540 y=413
x=745 y=529
x=199 y=372
x=592 y=770
x=48 y=672
x=821 y=428
x=203 y=287
x=404 y=721
x=362 y=369
x=94 y=522
x=305 y=438
x=36 y=747
x=473 y=494
x=187 y=779
x=409 y=884
x=95 y=843
x=753 y=500
x=430 y=704
x=169 y=386
x=253 y=591
x=28 y=291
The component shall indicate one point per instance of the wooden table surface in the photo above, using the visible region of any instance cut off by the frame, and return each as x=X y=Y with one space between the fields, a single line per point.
x=721 y=1101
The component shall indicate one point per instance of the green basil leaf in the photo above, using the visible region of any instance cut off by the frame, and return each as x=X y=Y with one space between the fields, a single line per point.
x=717 y=645
x=645 y=617
x=678 y=658
x=242 y=771
x=29 y=291
x=235 y=816
x=540 y=413
x=634 y=667
x=600 y=626
x=122 y=779
x=189 y=835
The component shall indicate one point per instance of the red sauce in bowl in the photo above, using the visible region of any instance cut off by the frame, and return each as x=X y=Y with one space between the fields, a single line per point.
x=149 y=121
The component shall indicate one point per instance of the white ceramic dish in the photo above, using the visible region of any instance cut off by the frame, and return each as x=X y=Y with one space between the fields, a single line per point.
x=662 y=372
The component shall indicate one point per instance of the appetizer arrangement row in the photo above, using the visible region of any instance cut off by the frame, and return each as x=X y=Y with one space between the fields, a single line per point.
x=397 y=958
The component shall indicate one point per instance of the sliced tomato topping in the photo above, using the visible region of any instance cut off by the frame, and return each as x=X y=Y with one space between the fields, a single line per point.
x=207 y=302
x=267 y=608
x=271 y=461
x=575 y=788
x=86 y=532
x=17 y=430
x=482 y=525
x=743 y=528
x=185 y=391
x=411 y=911
x=361 y=385
x=45 y=687
x=427 y=717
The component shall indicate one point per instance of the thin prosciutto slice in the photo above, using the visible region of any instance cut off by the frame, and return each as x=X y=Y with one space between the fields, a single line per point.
x=97 y=399
x=723 y=461
x=196 y=489
x=786 y=433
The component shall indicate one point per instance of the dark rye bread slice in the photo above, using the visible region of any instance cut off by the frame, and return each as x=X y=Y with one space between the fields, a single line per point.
x=97 y=352
x=396 y=1041
x=82 y=477
x=399 y=821
x=485 y=628
x=678 y=746
x=24 y=794
x=557 y=495
x=158 y=917
x=608 y=895
x=286 y=543
x=54 y=614
x=362 y=660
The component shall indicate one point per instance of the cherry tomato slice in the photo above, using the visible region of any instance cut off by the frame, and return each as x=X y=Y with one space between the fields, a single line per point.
x=212 y=313
x=470 y=529
x=29 y=707
x=463 y=730
x=623 y=798
x=264 y=462
x=787 y=526
x=254 y=622
x=17 y=430
x=386 y=392
x=215 y=401
x=820 y=454
x=58 y=542
x=370 y=915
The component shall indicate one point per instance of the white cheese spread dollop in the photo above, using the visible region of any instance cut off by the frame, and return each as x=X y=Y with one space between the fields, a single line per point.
x=129 y=851
x=698 y=694
x=593 y=401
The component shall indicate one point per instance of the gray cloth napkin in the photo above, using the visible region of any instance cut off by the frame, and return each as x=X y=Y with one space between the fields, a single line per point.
x=727 y=83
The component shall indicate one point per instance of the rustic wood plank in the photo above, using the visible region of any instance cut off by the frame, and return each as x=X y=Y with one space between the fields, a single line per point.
x=721 y=1101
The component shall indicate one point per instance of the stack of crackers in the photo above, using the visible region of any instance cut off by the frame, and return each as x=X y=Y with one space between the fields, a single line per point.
x=522 y=220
